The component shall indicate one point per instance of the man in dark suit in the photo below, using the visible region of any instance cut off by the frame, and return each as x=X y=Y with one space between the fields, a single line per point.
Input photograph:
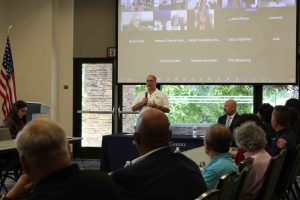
x=158 y=173
x=230 y=117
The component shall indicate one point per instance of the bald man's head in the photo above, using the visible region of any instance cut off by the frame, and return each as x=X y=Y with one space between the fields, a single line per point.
x=230 y=107
x=152 y=130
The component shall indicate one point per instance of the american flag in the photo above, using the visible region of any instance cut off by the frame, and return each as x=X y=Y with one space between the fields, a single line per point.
x=7 y=81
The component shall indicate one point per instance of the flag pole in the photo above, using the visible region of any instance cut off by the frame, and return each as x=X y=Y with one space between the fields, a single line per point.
x=8 y=29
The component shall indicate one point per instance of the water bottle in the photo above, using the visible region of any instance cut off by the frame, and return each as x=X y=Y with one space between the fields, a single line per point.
x=194 y=131
x=177 y=150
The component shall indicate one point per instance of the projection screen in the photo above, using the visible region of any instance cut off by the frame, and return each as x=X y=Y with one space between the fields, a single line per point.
x=207 y=41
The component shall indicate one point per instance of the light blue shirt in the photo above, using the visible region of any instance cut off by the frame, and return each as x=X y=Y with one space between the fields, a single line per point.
x=217 y=167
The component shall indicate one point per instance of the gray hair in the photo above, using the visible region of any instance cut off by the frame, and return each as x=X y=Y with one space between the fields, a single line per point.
x=250 y=137
x=41 y=142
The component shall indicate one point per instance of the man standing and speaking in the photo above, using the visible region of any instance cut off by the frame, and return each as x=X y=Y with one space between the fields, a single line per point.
x=152 y=98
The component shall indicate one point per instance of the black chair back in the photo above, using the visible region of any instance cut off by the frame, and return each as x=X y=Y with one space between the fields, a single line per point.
x=244 y=167
x=289 y=176
x=227 y=185
x=272 y=174
x=246 y=163
x=210 y=195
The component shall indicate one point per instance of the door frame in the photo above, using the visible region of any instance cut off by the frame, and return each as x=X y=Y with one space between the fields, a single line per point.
x=78 y=151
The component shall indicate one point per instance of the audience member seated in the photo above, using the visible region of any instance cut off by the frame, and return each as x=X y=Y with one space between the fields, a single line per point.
x=252 y=138
x=242 y=119
x=217 y=142
x=158 y=173
x=285 y=136
x=16 y=118
x=230 y=116
x=265 y=115
x=294 y=105
x=48 y=174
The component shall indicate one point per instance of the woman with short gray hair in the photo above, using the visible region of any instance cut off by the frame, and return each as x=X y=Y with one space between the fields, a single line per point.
x=252 y=138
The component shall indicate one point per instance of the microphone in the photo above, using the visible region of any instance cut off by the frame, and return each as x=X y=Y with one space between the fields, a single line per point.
x=146 y=94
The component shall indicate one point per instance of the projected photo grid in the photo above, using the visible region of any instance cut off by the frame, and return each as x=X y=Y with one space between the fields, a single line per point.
x=207 y=41
x=180 y=15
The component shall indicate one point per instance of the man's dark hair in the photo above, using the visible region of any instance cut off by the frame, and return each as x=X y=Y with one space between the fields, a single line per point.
x=249 y=117
x=219 y=138
x=293 y=103
x=14 y=110
x=282 y=115
x=265 y=111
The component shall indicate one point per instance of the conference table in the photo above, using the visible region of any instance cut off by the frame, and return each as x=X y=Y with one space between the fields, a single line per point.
x=119 y=148
x=10 y=145
x=7 y=146
x=199 y=156
x=8 y=149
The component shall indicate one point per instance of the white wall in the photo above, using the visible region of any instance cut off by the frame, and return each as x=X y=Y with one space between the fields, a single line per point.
x=2 y=31
x=31 y=43
x=42 y=47
x=94 y=27
x=64 y=51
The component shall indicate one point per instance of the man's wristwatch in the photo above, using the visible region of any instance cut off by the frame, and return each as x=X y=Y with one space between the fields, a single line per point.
x=4 y=197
